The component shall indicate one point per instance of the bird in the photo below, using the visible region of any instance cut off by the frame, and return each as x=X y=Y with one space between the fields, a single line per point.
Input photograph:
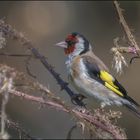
x=91 y=77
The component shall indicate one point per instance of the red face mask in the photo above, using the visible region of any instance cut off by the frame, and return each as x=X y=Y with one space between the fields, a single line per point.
x=71 y=41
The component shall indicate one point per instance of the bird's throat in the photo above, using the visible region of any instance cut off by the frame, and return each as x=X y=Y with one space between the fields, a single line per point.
x=69 y=50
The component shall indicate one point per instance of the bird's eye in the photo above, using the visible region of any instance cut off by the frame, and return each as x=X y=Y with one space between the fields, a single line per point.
x=67 y=41
x=70 y=42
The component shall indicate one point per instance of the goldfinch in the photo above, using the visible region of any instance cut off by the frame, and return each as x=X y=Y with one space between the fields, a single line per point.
x=91 y=76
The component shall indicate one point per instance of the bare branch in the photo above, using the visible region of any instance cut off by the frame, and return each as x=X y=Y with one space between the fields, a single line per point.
x=105 y=125
x=38 y=100
x=6 y=82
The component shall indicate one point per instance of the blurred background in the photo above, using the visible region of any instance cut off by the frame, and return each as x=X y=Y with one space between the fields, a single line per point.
x=46 y=23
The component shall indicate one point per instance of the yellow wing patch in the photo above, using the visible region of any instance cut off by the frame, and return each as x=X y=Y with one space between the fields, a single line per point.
x=109 y=82
x=113 y=89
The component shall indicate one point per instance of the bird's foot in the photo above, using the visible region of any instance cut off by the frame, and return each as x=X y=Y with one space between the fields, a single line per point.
x=75 y=97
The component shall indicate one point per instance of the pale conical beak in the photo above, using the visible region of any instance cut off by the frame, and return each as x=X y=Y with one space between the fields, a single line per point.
x=62 y=44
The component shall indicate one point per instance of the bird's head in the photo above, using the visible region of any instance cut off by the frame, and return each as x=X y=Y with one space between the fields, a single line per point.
x=75 y=44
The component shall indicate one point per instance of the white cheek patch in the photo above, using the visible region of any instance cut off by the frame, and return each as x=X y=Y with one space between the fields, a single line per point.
x=80 y=40
x=79 y=47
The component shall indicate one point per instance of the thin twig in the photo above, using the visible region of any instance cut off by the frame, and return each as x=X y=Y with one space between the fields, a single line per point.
x=3 y=111
x=125 y=26
x=27 y=67
x=15 y=55
x=69 y=135
x=19 y=128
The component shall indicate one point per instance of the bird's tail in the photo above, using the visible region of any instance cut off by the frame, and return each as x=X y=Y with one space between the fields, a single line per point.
x=133 y=106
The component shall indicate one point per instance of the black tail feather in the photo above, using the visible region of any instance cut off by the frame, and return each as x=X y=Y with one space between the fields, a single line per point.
x=131 y=100
x=132 y=105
